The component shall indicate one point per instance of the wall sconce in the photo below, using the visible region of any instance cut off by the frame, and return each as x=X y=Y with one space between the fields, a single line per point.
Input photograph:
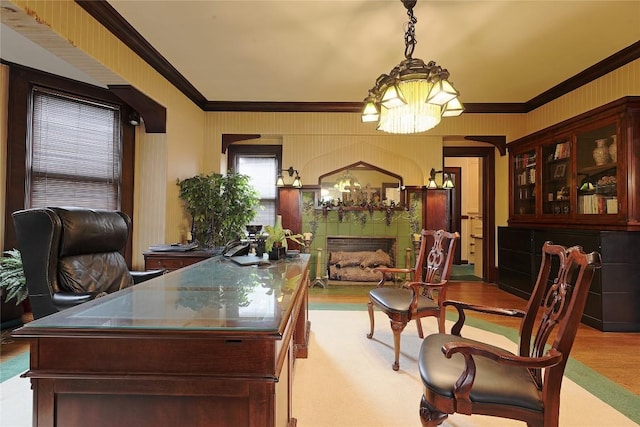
x=447 y=183
x=297 y=181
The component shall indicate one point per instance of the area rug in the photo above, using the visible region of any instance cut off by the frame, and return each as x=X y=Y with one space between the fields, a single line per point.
x=347 y=380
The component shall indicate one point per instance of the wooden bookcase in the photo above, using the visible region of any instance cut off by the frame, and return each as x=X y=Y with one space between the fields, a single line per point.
x=556 y=180
x=568 y=185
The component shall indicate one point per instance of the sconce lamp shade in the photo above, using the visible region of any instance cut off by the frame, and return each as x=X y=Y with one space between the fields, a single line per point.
x=431 y=185
x=448 y=182
x=297 y=182
x=280 y=181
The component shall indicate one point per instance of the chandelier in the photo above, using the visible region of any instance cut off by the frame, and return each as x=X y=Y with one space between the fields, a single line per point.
x=413 y=96
x=347 y=183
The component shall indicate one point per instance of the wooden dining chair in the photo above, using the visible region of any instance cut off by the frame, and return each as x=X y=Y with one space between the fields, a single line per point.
x=423 y=294
x=465 y=376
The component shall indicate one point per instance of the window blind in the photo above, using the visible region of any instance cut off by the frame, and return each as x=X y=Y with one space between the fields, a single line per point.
x=75 y=152
x=263 y=171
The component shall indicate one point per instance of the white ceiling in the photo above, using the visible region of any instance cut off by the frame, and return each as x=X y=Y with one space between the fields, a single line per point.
x=333 y=50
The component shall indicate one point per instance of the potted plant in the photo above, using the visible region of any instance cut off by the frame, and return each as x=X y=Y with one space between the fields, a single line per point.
x=12 y=280
x=220 y=206
x=276 y=239
x=13 y=285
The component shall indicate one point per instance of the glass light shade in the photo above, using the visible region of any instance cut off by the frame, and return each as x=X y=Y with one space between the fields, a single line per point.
x=441 y=93
x=393 y=97
x=280 y=181
x=370 y=112
x=587 y=186
x=431 y=185
x=453 y=108
x=297 y=182
x=416 y=115
x=448 y=183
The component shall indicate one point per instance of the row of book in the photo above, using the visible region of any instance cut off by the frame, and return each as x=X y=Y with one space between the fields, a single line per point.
x=562 y=151
x=525 y=160
x=527 y=177
x=597 y=204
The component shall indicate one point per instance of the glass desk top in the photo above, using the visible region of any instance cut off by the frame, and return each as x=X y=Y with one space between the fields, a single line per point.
x=212 y=295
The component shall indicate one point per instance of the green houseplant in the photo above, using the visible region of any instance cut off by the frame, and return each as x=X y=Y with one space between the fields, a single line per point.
x=276 y=237
x=12 y=280
x=220 y=206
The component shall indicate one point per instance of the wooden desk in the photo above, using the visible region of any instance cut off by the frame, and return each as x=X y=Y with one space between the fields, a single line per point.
x=212 y=344
x=173 y=260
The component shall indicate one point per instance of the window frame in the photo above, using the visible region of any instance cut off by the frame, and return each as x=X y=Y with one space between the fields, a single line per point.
x=21 y=81
x=235 y=150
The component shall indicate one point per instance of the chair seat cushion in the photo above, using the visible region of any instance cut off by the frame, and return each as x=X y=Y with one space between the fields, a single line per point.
x=494 y=383
x=398 y=299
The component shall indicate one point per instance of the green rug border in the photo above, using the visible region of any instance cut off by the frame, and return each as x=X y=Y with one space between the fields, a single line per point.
x=14 y=366
x=613 y=394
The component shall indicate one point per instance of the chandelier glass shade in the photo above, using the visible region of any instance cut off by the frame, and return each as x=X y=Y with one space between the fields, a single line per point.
x=347 y=183
x=414 y=96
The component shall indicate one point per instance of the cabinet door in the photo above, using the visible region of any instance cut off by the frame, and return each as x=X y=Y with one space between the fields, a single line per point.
x=597 y=171
x=524 y=183
x=556 y=174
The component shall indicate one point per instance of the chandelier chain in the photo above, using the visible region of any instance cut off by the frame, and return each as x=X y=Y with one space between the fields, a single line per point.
x=410 y=35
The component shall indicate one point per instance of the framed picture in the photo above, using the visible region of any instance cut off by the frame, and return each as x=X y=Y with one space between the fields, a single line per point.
x=560 y=170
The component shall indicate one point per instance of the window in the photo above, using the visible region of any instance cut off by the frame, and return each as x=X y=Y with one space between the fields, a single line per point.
x=74 y=152
x=261 y=164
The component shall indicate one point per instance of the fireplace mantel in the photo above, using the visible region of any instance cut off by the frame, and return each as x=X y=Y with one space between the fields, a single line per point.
x=425 y=209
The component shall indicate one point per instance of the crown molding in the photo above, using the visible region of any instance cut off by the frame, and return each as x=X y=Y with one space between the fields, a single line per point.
x=114 y=22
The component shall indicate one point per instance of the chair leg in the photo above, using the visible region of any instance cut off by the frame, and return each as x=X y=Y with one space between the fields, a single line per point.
x=419 y=324
x=430 y=417
x=397 y=328
x=371 y=322
x=441 y=319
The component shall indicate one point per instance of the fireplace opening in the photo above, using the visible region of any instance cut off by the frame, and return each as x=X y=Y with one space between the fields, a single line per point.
x=353 y=258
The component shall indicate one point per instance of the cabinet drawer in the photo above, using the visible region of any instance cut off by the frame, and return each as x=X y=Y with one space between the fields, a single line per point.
x=166 y=263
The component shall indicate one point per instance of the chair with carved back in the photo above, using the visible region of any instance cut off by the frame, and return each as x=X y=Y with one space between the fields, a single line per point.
x=423 y=294
x=465 y=376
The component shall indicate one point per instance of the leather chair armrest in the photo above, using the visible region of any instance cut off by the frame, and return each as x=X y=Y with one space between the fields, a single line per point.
x=143 y=276
x=69 y=299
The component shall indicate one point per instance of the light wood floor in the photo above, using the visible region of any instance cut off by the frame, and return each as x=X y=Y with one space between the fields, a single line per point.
x=612 y=354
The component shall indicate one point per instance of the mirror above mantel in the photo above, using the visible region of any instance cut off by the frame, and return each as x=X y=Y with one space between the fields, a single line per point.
x=360 y=186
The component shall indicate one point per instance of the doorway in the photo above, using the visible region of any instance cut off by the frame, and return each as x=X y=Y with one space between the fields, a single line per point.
x=487 y=156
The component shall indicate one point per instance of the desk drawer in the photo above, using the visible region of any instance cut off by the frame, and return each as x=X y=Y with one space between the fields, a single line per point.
x=167 y=263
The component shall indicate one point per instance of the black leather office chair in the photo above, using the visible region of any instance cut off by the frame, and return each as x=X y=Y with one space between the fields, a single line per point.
x=73 y=255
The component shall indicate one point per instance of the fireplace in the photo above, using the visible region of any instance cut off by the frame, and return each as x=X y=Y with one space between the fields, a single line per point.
x=353 y=258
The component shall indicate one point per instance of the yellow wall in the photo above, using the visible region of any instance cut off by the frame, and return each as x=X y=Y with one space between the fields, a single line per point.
x=314 y=143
